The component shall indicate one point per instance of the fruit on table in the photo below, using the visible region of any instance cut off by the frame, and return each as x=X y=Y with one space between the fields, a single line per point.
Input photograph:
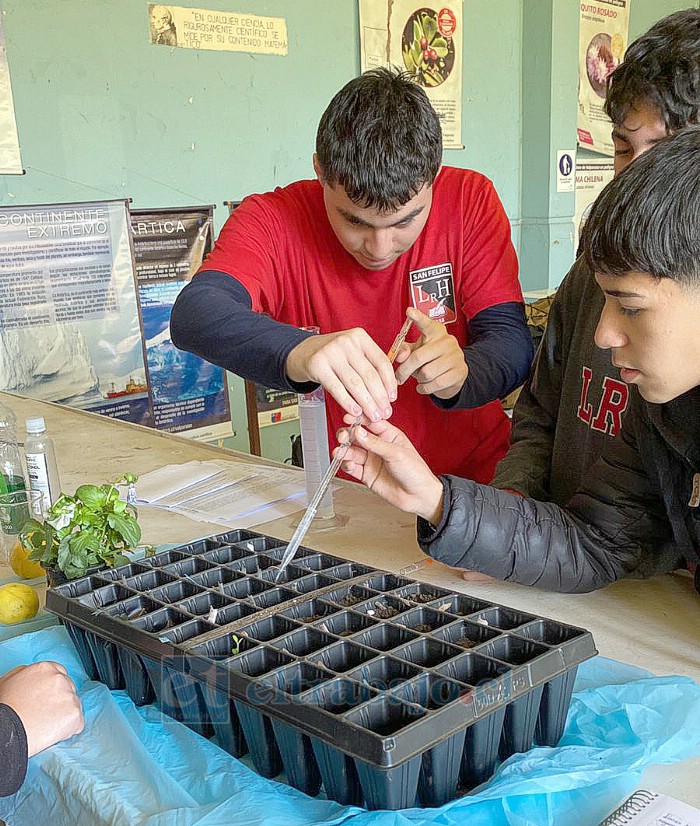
x=22 y=565
x=18 y=602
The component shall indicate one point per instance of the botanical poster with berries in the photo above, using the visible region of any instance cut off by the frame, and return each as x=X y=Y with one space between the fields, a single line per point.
x=603 y=31
x=425 y=41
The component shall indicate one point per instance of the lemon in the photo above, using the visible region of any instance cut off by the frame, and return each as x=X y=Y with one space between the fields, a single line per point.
x=18 y=602
x=22 y=565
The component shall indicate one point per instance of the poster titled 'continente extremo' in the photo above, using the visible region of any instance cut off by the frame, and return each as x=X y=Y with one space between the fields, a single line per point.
x=69 y=322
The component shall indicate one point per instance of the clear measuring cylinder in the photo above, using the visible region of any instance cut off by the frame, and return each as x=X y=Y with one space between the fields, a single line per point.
x=314 y=443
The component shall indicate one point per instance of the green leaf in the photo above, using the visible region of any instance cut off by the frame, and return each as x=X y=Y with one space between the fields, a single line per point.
x=126 y=526
x=119 y=559
x=84 y=541
x=90 y=495
x=408 y=61
x=440 y=46
x=429 y=26
x=417 y=33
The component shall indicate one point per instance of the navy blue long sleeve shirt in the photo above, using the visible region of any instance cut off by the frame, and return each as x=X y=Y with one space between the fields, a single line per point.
x=256 y=346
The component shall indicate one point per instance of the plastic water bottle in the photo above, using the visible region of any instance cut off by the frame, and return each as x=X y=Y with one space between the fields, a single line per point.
x=11 y=472
x=42 y=468
x=314 y=442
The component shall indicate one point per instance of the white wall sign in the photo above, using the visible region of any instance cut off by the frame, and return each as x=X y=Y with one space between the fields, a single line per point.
x=566 y=166
x=10 y=163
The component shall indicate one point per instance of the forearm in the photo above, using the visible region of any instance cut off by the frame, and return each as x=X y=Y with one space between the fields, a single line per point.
x=498 y=356
x=212 y=318
x=521 y=540
x=13 y=751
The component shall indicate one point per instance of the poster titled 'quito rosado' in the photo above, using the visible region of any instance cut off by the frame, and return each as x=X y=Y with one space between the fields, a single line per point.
x=425 y=41
x=603 y=32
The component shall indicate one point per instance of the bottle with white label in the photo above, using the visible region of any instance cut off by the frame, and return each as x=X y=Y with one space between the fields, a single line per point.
x=42 y=469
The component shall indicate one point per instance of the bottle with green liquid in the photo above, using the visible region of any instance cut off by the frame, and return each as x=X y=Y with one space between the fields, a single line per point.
x=11 y=472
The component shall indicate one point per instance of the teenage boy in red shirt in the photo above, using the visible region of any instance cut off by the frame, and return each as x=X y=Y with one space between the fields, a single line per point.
x=382 y=228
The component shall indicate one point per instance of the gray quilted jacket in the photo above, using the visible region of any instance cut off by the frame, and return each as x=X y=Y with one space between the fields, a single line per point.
x=632 y=512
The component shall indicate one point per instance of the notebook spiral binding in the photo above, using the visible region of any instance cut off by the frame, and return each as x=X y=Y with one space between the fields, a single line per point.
x=634 y=805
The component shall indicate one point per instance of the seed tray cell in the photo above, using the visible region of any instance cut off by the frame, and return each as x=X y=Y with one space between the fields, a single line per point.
x=345 y=624
x=226 y=554
x=319 y=562
x=422 y=593
x=310 y=610
x=311 y=582
x=124 y=571
x=383 y=607
x=164 y=558
x=348 y=595
x=387 y=691
x=503 y=618
x=423 y=620
x=273 y=596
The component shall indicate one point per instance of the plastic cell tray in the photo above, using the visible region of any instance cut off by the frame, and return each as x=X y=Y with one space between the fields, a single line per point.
x=387 y=691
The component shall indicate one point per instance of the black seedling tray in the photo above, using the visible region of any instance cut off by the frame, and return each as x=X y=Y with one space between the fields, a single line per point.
x=388 y=691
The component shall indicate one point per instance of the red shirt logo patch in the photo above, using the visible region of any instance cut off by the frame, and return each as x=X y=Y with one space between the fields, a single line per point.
x=433 y=292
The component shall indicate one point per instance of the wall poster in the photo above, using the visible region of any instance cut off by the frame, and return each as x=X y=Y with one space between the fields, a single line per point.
x=189 y=395
x=592 y=175
x=603 y=32
x=69 y=321
x=425 y=41
x=10 y=163
x=217 y=30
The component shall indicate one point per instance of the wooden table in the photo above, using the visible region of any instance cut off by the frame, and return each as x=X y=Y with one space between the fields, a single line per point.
x=653 y=624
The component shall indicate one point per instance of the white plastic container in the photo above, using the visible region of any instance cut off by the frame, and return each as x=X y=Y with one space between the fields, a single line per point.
x=42 y=468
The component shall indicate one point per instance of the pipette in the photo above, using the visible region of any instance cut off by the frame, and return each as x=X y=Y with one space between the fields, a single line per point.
x=310 y=513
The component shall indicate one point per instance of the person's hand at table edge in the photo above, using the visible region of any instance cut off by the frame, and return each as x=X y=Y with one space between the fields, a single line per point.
x=44 y=698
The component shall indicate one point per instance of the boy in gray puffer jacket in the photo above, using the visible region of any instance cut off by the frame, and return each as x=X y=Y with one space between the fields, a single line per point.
x=574 y=401
x=642 y=496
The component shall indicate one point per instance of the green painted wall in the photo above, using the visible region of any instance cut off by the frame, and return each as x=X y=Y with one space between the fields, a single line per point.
x=101 y=113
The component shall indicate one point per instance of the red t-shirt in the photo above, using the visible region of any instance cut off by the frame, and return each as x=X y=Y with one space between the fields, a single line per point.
x=281 y=247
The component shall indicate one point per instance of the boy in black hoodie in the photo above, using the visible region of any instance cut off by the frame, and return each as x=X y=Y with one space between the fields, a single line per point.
x=641 y=499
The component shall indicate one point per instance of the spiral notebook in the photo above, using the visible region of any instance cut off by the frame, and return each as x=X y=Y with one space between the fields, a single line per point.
x=645 y=808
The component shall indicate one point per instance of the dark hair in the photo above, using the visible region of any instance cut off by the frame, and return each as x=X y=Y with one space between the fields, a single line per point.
x=661 y=68
x=647 y=219
x=380 y=139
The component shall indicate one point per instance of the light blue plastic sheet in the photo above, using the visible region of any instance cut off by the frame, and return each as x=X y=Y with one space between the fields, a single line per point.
x=134 y=767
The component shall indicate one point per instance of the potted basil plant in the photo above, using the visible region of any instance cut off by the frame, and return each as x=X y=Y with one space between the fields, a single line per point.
x=92 y=529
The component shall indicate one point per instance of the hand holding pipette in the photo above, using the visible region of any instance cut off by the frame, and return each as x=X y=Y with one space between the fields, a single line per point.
x=310 y=513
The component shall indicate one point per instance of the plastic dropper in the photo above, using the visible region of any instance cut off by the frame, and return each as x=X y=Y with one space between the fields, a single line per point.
x=310 y=512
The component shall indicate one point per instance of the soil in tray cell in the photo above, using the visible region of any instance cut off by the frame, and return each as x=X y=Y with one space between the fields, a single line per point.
x=421 y=593
x=423 y=620
x=349 y=596
x=466 y=634
x=383 y=608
